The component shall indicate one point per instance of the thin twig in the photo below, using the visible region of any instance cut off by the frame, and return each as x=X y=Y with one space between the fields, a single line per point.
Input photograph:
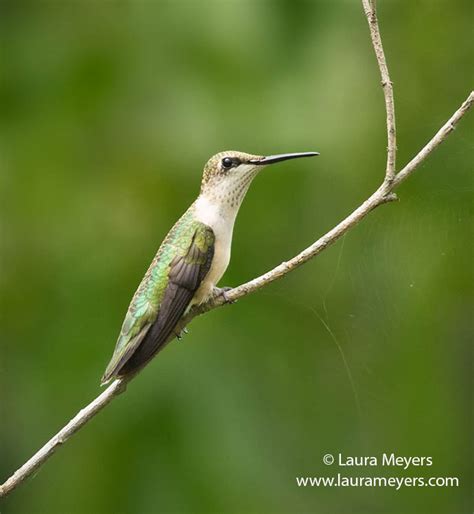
x=382 y=195
x=440 y=136
x=387 y=86
x=77 y=422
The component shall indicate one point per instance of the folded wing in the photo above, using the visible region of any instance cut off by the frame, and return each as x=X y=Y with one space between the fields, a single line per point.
x=185 y=274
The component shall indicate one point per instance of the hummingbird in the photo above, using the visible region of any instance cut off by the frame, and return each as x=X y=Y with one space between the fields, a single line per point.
x=190 y=261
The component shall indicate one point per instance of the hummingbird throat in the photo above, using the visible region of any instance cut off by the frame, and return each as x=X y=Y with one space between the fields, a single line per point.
x=227 y=192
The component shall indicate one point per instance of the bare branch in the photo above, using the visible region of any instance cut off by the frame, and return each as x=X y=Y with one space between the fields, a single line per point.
x=440 y=136
x=382 y=195
x=371 y=15
x=377 y=198
x=76 y=423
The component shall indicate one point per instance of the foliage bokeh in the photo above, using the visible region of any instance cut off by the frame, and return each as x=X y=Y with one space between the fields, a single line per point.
x=109 y=111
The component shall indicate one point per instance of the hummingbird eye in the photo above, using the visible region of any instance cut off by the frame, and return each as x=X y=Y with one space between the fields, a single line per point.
x=227 y=162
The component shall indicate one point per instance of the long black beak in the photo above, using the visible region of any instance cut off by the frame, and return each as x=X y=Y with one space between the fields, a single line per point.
x=271 y=159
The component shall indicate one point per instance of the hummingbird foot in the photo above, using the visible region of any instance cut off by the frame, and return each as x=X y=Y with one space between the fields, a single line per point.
x=222 y=291
x=179 y=334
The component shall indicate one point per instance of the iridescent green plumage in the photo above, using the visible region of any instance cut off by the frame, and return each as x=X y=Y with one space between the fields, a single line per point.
x=165 y=292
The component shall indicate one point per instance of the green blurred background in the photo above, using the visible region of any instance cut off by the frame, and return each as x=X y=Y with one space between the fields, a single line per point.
x=109 y=111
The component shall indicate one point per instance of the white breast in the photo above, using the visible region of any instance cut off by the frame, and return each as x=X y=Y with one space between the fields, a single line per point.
x=220 y=217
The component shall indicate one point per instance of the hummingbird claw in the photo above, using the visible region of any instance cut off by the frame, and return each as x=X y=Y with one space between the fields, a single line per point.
x=222 y=291
x=179 y=333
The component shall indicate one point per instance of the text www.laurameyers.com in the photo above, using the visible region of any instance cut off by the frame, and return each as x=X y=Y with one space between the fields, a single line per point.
x=388 y=460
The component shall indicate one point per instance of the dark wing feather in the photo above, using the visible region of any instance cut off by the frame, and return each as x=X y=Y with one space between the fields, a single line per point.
x=185 y=276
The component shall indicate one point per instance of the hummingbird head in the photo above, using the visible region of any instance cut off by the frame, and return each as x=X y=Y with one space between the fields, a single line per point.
x=228 y=175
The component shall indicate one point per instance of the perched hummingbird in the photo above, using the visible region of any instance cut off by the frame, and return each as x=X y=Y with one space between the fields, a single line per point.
x=190 y=261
